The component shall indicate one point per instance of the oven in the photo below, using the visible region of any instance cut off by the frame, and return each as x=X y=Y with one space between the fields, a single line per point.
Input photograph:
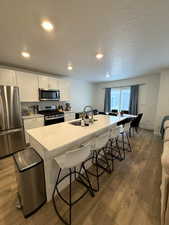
x=53 y=119
x=51 y=114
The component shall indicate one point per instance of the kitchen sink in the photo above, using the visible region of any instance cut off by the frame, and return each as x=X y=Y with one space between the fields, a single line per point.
x=78 y=122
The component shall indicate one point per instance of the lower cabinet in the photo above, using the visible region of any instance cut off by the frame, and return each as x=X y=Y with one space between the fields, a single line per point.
x=30 y=123
x=69 y=116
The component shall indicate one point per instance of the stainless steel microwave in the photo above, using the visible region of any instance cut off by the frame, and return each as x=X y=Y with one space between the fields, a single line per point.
x=49 y=95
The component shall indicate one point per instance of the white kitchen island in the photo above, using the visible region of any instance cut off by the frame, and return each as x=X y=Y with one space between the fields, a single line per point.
x=53 y=140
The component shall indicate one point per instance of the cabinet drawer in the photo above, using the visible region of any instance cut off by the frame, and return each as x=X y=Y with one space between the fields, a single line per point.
x=33 y=123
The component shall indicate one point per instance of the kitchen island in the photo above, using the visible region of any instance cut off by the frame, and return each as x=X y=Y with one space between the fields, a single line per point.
x=51 y=141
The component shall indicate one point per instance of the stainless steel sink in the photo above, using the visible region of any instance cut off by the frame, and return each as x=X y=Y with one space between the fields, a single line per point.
x=78 y=122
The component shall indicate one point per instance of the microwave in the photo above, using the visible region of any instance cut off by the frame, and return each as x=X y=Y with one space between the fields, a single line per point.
x=49 y=95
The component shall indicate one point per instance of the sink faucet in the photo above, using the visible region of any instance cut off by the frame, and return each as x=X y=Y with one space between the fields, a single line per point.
x=88 y=109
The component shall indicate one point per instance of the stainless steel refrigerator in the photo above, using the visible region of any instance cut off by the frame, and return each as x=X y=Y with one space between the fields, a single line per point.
x=12 y=137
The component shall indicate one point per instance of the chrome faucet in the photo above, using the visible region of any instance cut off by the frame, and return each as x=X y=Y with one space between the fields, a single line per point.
x=89 y=111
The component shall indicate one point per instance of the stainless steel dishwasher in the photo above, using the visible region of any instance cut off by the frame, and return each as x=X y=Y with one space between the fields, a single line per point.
x=31 y=180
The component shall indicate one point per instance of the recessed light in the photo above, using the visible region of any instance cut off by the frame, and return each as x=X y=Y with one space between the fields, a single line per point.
x=107 y=75
x=69 y=67
x=99 y=56
x=48 y=26
x=25 y=54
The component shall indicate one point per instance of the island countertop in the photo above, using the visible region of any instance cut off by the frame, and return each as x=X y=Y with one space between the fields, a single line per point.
x=55 y=137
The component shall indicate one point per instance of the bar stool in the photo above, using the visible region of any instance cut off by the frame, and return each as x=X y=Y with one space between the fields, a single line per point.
x=70 y=160
x=99 y=156
x=115 y=151
x=125 y=132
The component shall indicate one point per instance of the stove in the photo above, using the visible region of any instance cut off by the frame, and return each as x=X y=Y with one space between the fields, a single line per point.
x=51 y=114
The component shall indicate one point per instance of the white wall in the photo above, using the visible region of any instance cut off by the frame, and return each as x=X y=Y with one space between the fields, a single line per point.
x=81 y=93
x=163 y=100
x=148 y=94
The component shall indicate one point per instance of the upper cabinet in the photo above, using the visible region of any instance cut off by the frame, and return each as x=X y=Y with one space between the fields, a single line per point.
x=43 y=82
x=7 y=77
x=64 y=87
x=28 y=85
x=53 y=83
x=48 y=83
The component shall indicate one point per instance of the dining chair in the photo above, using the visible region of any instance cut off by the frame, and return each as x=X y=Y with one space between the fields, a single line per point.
x=135 y=123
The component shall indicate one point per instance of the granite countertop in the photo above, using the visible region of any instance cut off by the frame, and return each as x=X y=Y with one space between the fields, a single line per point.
x=32 y=116
x=62 y=135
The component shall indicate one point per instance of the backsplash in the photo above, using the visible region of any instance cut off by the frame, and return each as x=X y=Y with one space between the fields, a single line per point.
x=28 y=107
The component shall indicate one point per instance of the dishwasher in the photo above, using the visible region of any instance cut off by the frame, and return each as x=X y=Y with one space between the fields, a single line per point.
x=30 y=180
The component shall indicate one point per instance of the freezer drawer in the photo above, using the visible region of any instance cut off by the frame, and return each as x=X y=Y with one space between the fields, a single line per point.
x=4 y=147
x=11 y=141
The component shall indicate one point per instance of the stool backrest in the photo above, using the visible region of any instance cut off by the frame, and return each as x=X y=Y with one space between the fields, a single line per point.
x=77 y=156
x=101 y=140
x=127 y=127
x=115 y=132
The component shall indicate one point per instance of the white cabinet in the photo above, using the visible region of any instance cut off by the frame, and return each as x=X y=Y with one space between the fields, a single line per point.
x=53 y=83
x=28 y=86
x=68 y=116
x=7 y=77
x=32 y=122
x=64 y=87
x=43 y=82
x=48 y=83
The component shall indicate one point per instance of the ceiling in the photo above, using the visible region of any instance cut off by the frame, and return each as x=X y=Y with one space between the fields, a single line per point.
x=132 y=34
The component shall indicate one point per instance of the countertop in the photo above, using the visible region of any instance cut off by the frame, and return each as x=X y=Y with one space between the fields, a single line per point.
x=59 y=136
x=32 y=116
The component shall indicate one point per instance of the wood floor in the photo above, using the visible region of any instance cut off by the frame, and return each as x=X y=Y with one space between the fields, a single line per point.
x=129 y=196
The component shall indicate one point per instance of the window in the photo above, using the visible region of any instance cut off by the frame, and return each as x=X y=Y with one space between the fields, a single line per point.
x=120 y=98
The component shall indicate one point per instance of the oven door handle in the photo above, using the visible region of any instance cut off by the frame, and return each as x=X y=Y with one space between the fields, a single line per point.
x=55 y=118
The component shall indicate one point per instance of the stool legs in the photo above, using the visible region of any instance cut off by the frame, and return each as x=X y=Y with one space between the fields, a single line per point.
x=124 y=154
x=70 y=197
x=127 y=135
x=116 y=149
x=70 y=203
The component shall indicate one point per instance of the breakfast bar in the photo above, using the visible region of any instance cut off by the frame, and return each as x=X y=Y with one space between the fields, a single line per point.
x=51 y=141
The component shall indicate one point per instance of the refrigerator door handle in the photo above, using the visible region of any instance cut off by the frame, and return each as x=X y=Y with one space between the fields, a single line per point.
x=2 y=113
x=10 y=131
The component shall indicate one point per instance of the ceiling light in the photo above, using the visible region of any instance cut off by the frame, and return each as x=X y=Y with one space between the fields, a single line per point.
x=69 y=67
x=107 y=75
x=47 y=26
x=25 y=54
x=99 y=56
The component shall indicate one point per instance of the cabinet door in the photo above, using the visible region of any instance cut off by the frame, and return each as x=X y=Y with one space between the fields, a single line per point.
x=43 y=82
x=28 y=86
x=53 y=83
x=32 y=123
x=7 y=77
x=64 y=86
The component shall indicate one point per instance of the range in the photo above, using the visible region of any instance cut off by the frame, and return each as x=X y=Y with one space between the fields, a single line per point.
x=51 y=114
